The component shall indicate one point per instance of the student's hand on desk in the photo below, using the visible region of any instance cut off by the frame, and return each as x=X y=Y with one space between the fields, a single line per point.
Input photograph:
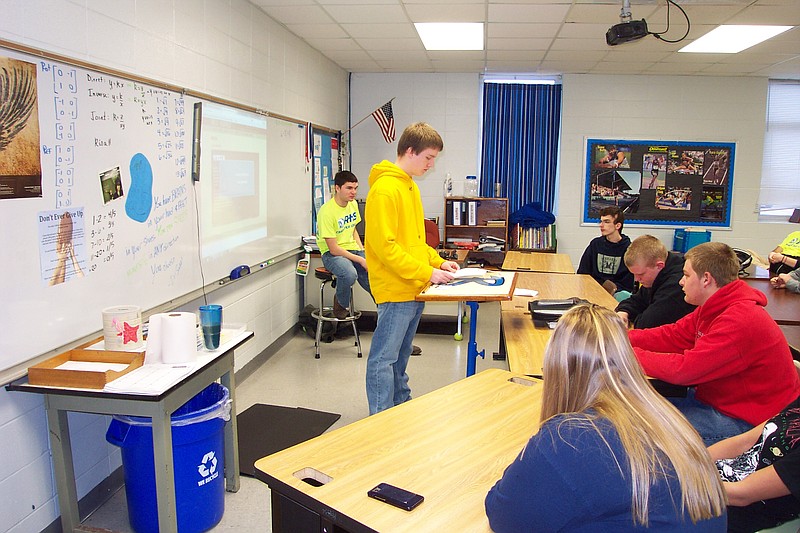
x=624 y=316
x=779 y=281
x=440 y=276
x=449 y=266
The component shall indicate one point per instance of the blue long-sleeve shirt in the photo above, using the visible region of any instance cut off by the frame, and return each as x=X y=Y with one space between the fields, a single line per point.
x=568 y=479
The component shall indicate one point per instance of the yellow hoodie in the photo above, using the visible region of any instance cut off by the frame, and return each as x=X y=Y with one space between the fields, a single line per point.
x=399 y=260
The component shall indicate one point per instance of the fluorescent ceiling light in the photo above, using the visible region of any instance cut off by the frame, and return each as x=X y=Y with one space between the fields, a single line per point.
x=730 y=39
x=451 y=35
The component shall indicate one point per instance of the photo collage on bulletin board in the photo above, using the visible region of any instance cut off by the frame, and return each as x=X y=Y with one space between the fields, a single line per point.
x=660 y=182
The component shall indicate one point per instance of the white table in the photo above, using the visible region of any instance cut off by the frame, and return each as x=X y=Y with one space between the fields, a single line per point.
x=159 y=407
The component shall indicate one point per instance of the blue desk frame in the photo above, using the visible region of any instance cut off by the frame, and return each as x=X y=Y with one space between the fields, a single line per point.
x=473 y=302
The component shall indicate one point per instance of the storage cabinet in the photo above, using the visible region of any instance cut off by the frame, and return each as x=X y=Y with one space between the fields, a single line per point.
x=467 y=219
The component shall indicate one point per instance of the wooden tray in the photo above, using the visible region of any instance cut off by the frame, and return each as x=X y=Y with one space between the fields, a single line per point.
x=46 y=373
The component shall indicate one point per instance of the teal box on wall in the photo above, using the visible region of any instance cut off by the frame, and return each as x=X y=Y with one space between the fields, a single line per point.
x=686 y=239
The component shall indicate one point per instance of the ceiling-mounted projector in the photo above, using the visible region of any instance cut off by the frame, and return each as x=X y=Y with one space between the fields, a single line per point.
x=626 y=31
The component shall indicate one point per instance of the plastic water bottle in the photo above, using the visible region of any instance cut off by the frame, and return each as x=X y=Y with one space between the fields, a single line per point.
x=471 y=186
x=448 y=185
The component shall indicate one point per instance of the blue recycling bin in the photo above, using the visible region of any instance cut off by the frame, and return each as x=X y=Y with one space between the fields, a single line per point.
x=198 y=455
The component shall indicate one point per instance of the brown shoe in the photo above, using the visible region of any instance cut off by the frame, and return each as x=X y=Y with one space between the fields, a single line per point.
x=339 y=311
x=416 y=350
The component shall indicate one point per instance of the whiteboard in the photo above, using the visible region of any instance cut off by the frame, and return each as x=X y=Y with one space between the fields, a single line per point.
x=77 y=243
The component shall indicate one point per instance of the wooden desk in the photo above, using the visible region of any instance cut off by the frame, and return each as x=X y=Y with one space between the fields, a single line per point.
x=450 y=446
x=782 y=306
x=472 y=294
x=525 y=343
x=538 y=262
x=59 y=401
x=792 y=334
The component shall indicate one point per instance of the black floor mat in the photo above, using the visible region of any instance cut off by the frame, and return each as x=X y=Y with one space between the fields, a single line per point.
x=266 y=429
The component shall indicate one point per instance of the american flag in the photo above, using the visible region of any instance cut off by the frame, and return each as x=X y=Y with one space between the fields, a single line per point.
x=385 y=119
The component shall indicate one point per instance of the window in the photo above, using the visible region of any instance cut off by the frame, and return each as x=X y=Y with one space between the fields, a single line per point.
x=780 y=173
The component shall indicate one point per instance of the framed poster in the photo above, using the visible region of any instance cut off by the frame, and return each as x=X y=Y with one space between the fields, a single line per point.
x=666 y=183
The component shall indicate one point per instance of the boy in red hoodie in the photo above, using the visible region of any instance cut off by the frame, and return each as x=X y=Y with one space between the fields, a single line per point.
x=729 y=350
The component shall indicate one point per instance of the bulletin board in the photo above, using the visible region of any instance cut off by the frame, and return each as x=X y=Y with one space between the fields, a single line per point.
x=665 y=183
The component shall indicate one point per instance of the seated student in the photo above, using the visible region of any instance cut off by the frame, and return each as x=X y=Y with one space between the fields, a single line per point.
x=786 y=256
x=659 y=299
x=338 y=240
x=603 y=258
x=761 y=472
x=729 y=349
x=790 y=281
x=611 y=454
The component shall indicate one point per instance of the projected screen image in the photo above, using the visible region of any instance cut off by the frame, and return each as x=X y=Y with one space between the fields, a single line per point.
x=233 y=180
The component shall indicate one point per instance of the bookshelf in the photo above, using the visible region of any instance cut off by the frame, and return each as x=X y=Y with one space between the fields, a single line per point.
x=467 y=219
x=535 y=239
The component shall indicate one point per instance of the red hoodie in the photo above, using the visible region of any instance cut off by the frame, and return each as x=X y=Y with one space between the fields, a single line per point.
x=730 y=349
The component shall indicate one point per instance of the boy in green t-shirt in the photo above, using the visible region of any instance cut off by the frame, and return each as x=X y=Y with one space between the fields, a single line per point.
x=339 y=242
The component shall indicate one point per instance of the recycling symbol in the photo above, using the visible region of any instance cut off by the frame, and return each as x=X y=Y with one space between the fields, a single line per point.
x=208 y=465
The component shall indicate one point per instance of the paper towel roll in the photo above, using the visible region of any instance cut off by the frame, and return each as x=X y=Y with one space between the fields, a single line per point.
x=172 y=338
x=122 y=327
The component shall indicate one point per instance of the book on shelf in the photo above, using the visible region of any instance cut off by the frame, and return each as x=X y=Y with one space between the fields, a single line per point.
x=499 y=222
x=535 y=238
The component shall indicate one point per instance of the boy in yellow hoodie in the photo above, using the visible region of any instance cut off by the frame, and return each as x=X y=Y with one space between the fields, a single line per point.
x=400 y=262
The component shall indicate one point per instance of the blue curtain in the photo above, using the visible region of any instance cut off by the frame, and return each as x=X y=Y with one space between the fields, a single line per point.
x=521 y=124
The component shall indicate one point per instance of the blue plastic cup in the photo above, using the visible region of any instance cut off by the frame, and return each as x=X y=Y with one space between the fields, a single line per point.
x=211 y=324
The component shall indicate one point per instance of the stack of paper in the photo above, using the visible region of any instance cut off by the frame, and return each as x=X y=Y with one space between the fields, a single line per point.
x=150 y=379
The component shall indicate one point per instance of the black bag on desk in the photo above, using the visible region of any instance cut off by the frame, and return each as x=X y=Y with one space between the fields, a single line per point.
x=545 y=312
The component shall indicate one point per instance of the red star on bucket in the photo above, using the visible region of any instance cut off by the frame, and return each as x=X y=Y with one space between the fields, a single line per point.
x=129 y=333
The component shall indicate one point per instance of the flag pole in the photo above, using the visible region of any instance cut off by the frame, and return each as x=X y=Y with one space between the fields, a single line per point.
x=365 y=118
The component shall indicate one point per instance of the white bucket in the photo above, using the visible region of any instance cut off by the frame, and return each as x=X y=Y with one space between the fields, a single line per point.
x=122 y=327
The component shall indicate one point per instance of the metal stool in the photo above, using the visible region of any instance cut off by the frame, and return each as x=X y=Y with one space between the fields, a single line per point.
x=326 y=276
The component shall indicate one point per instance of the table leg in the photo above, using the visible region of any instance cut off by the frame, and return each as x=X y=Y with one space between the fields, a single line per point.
x=228 y=381
x=472 y=349
x=61 y=447
x=165 y=473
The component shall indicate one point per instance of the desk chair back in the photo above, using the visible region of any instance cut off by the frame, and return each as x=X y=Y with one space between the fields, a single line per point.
x=432 y=233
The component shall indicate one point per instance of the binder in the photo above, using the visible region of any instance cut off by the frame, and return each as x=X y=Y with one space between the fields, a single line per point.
x=456 y=212
x=472 y=213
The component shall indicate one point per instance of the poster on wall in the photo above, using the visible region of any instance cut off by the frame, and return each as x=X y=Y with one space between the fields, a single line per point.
x=667 y=183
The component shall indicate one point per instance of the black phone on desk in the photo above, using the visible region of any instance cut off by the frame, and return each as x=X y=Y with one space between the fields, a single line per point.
x=396 y=496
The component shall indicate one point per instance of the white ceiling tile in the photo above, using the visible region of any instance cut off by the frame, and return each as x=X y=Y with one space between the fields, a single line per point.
x=322 y=31
x=394 y=55
x=779 y=15
x=527 y=13
x=580 y=30
x=512 y=30
x=445 y=13
x=333 y=44
x=518 y=44
x=515 y=55
x=298 y=14
x=378 y=31
x=391 y=44
x=366 y=13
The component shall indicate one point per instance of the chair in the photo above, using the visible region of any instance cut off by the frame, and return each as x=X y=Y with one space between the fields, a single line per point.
x=325 y=314
x=432 y=233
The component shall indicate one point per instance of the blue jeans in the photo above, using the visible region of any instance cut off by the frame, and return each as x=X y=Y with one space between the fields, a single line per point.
x=347 y=273
x=712 y=425
x=387 y=381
